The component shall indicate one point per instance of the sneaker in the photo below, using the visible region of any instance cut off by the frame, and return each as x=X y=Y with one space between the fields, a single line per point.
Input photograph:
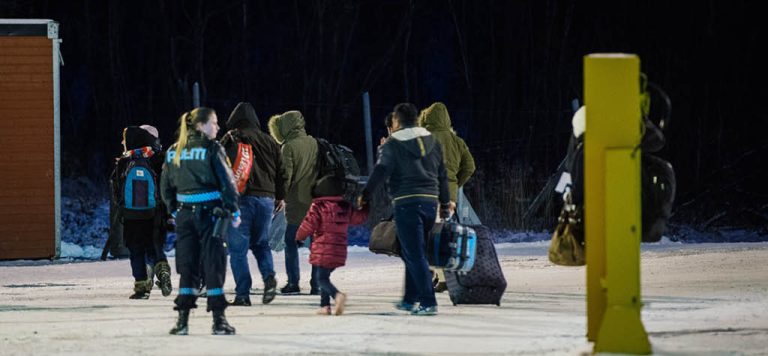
x=290 y=289
x=270 y=290
x=441 y=287
x=241 y=301
x=340 y=301
x=326 y=310
x=404 y=306
x=425 y=310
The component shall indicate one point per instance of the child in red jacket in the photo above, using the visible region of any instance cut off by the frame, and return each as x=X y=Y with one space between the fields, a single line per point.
x=327 y=222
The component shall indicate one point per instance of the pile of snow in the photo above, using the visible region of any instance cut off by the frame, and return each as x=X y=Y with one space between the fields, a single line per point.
x=70 y=250
x=84 y=212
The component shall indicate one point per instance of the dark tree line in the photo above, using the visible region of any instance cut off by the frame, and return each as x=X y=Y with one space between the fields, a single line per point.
x=507 y=70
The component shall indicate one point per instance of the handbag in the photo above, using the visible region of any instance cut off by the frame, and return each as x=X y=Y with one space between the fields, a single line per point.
x=567 y=245
x=384 y=239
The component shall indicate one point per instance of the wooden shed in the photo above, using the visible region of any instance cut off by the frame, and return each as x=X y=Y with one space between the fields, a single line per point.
x=30 y=215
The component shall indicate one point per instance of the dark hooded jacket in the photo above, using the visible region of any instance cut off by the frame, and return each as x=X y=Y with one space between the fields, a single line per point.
x=413 y=161
x=459 y=163
x=267 y=177
x=299 y=161
x=203 y=169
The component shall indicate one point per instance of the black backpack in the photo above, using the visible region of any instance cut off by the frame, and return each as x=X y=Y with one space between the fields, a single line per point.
x=337 y=171
x=137 y=195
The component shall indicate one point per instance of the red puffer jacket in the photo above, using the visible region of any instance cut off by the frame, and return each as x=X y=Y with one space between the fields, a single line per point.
x=327 y=222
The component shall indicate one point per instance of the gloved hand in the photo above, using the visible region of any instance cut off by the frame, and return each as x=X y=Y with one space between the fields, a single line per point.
x=445 y=210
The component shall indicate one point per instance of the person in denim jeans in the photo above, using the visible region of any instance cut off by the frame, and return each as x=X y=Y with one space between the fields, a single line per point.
x=413 y=161
x=257 y=167
x=252 y=234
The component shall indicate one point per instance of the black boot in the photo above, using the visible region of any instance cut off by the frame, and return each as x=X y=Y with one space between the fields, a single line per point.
x=220 y=325
x=181 y=324
x=270 y=289
x=163 y=272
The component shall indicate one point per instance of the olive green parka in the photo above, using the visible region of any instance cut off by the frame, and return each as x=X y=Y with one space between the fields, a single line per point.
x=459 y=163
x=299 y=153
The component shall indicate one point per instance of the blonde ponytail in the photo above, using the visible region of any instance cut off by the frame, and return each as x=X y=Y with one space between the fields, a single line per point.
x=188 y=122
x=182 y=142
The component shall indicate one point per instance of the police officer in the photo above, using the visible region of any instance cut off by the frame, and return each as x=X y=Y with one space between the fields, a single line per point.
x=196 y=181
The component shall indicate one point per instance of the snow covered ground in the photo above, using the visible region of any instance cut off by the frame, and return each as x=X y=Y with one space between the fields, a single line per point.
x=707 y=299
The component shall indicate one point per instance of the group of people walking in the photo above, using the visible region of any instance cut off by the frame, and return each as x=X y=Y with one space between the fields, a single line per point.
x=249 y=176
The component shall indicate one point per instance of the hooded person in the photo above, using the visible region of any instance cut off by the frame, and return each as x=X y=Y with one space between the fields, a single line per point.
x=459 y=163
x=144 y=235
x=299 y=154
x=412 y=160
x=258 y=170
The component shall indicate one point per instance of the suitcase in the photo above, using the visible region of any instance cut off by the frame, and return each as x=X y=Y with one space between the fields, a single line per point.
x=485 y=283
x=451 y=246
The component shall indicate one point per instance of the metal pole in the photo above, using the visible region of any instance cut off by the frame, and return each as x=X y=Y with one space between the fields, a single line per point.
x=196 y=95
x=368 y=135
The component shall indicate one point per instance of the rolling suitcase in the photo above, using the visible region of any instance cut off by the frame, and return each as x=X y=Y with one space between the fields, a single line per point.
x=483 y=284
x=452 y=246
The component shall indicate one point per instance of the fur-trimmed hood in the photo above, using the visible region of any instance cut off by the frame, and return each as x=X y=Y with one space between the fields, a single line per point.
x=287 y=126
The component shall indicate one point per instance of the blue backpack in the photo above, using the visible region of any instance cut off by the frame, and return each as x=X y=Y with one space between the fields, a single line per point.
x=138 y=196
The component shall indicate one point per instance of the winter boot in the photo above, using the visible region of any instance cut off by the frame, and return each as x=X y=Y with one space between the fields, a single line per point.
x=220 y=325
x=181 y=324
x=141 y=290
x=163 y=272
x=270 y=289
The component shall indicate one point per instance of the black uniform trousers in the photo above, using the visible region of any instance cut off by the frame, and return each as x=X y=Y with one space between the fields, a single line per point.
x=198 y=253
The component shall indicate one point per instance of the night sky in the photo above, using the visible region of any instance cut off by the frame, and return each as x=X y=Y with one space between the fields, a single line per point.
x=507 y=71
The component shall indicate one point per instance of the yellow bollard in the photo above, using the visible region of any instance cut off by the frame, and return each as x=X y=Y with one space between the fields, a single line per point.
x=612 y=203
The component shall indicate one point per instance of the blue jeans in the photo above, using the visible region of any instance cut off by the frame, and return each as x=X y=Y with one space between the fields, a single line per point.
x=414 y=218
x=322 y=277
x=252 y=233
x=292 y=256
